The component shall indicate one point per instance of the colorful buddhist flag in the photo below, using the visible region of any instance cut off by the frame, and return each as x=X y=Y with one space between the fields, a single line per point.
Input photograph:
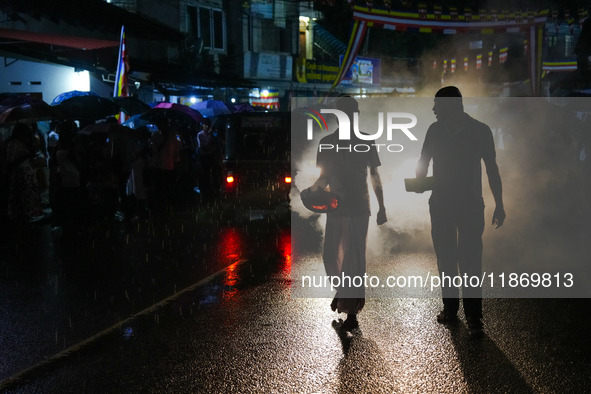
x=121 y=77
x=503 y=52
x=121 y=89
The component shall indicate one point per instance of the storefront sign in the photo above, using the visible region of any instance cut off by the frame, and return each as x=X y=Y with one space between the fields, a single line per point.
x=267 y=66
x=309 y=71
x=262 y=8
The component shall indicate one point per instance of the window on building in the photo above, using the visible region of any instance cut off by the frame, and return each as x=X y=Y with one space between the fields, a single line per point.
x=204 y=26
x=218 y=30
x=192 y=21
x=211 y=28
x=209 y=25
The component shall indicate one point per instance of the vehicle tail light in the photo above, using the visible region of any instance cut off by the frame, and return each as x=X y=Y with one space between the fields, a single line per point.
x=287 y=179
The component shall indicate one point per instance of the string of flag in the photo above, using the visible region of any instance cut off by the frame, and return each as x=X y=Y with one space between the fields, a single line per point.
x=430 y=11
x=470 y=62
x=530 y=22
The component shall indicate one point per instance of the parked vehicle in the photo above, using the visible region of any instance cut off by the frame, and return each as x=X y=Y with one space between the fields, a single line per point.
x=256 y=158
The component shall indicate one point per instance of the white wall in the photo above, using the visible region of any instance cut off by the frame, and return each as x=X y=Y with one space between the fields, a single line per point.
x=48 y=79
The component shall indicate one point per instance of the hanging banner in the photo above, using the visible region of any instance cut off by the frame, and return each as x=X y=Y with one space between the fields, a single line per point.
x=266 y=98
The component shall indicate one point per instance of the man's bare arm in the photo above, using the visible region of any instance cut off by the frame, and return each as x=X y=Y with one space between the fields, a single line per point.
x=496 y=187
x=376 y=183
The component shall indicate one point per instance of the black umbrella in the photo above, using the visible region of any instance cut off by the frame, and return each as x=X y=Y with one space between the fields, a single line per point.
x=89 y=107
x=131 y=105
x=8 y=100
x=33 y=111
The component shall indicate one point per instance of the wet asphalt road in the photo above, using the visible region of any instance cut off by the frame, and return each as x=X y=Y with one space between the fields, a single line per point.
x=243 y=330
x=56 y=292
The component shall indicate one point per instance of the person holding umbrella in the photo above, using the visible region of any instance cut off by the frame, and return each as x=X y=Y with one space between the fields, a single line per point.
x=166 y=156
x=24 y=197
x=206 y=160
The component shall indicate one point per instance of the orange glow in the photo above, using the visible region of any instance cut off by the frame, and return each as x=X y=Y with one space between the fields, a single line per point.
x=230 y=179
x=334 y=203
x=230 y=246
x=229 y=251
x=285 y=249
x=287 y=179
x=231 y=278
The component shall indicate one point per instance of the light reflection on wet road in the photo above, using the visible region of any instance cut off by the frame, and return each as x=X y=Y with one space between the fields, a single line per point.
x=252 y=335
x=245 y=331
x=56 y=293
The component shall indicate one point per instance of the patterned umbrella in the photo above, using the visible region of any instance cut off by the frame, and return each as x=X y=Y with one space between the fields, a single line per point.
x=68 y=95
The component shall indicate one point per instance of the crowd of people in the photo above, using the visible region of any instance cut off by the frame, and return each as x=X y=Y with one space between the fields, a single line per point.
x=74 y=177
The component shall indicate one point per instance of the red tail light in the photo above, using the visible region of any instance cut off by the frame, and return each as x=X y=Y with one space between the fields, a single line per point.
x=229 y=179
x=287 y=179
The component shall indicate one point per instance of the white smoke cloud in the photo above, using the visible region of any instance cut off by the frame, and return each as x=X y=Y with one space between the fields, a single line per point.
x=542 y=159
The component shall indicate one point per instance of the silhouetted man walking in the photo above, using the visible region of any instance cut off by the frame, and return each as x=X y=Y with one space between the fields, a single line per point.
x=344 y=171
x=457 y=143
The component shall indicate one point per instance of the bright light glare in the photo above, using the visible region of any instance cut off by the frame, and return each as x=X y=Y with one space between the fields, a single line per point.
x=81 y=81
x=230 y=179
x=287 y=179
x=193 y=100
x=264 y=92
